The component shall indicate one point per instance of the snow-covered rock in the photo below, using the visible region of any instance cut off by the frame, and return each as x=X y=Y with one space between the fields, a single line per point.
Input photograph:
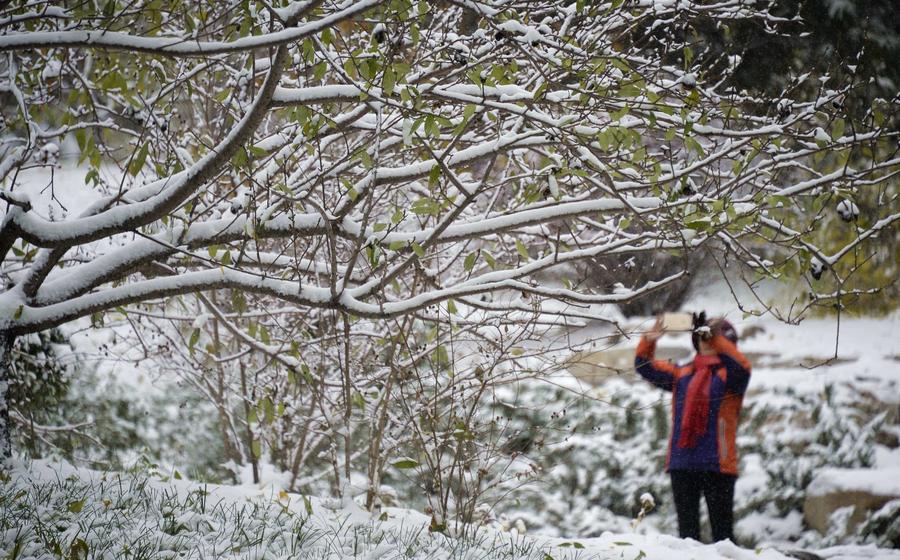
x=856 y=492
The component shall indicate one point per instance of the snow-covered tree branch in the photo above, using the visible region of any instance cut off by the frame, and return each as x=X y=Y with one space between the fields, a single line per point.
x=375 y=159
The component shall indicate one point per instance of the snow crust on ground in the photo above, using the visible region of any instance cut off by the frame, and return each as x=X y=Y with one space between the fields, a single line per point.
x=340 y=524
x=882 y=482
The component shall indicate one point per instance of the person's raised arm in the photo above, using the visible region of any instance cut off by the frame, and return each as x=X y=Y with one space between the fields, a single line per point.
x=736 y=364
x=659 y=372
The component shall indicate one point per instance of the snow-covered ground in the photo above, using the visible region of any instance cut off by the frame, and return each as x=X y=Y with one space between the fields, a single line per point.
x=55 y=505
x=51 y=509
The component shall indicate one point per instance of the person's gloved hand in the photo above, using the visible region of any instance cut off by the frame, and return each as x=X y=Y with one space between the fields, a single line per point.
x=700 y=326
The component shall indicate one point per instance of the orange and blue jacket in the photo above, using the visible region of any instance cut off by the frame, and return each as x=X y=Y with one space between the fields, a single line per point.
x=716 y=450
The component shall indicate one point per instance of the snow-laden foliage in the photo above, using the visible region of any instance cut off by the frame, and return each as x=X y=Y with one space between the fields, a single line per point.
x=107 y=420
x=375 y=146
x=414 y=421
x=794 y=436
x=38 y=377
x=50 y=510
x=595 y=451
x=46 y=513
x=346 y=222
x=883 y=526
x=806 y=433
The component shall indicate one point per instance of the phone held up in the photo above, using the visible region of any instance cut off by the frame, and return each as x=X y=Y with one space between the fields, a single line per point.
x=673 y=322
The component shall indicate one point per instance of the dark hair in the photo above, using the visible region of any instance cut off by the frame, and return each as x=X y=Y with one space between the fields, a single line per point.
x=716 y=326
x=727 y=330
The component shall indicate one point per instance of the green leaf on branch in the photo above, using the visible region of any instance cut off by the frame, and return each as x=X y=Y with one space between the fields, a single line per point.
x=440 y=357
x=307 y=375
x=372 y=254
x=701 y=224
x=268 y=409
x=688 y=56
x=388 y=80
x=240 y=158
x=629 y=90
x=358 y=400
x=489 y=259
x=350 y=68
x=520 y=248
x=320 y=69
x=837 y=128
x=434 y=175
x=195 y=337
x=238 y=301
x=692 y=144
x=137 y=162
x=617 y=115
x=469 y=263
x=426 y=207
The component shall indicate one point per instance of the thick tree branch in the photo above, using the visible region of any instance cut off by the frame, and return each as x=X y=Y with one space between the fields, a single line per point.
x=181 y=46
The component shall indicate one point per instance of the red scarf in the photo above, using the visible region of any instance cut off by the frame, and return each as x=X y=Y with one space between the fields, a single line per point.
x=696 y=403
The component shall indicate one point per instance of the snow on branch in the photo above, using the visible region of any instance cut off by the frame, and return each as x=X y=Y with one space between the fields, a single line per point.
x=157 y=199
x=379 y=165
x=181 y=45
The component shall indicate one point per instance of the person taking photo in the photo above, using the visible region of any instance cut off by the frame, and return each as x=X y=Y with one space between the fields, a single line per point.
x=707 y=394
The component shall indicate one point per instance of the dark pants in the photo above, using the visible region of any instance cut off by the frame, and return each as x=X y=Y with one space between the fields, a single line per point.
x=687 y=486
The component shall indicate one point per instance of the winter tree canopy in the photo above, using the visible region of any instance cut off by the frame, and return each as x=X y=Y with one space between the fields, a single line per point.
x=446 y=163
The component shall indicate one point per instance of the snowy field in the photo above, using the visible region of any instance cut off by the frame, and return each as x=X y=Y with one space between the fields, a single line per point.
x=78 y=513
x=151 y=514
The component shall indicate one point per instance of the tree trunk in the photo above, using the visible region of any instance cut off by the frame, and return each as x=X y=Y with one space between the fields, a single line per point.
x=6 y=344
x=221 y=399
x=254 y=460
x=376 y=461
